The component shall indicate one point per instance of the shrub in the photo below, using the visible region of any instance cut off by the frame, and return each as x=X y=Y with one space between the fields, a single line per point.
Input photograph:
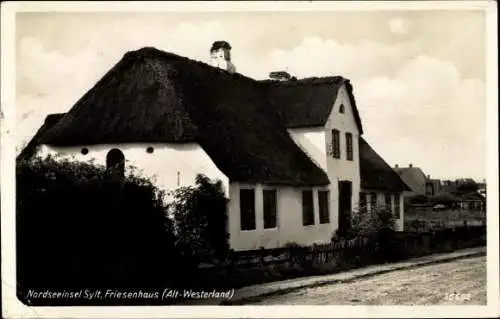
x=77 y=226
x=201 y=220
x=378 y=225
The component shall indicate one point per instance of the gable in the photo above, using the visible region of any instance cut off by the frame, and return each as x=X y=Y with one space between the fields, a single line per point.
x=154 y=96
x=342 y=115
x=308 y=103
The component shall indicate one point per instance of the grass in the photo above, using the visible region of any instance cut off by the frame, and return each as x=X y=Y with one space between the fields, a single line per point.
x=418 y=220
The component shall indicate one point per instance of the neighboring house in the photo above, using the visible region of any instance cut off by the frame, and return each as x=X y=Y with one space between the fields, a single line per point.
x=380 y=184
x=287 y=151
x=415 y=178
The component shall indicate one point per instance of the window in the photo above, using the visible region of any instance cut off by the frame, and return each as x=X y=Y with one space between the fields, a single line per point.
x=373 y=201
x=269 y=196
x=388 y=201
x=348 y=143
x=362 y=200
x=307 y=208
x=247 y=209
x=115 y=162
x=324 y=212
x=150 y=149
x=396 y=205
x=341 y=108
x=336 y=144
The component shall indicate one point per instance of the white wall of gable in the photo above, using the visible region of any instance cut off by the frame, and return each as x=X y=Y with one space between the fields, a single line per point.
x=312 y=141
x=169 y=166
x=340 y=168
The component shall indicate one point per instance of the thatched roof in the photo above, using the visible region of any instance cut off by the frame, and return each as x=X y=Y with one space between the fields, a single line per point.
x=414 y=177
x=153 y=96
x=308 y=102
x=376 y=173
x=30 y=149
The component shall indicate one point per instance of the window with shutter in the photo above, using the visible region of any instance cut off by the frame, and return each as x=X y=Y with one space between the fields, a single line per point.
x=247 y=209
x=270 y=208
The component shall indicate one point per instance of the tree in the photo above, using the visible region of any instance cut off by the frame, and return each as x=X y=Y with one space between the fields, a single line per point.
x=201 y=220
x=79 y=227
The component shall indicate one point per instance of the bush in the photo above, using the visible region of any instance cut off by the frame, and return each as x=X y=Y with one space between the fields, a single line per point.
x=201 y=221
x=79 y=227
x=378 y=225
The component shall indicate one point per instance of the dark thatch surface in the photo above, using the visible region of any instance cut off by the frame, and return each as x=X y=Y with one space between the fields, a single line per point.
x=308 y=102
x=30 y=149
x=154 y=96
x=376 y=173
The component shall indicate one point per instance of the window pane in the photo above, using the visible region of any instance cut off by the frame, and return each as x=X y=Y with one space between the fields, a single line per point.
x=388 y=201
x=397 y=208
x=247 y=209
x=348 y=140
x=362 y=200
x=336 y=143
x=324 y=215
x=373 y=200
x=269 y=208
x=307 y=208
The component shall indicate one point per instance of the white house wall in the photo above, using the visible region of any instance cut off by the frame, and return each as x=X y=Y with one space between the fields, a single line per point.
x=169 y=166
x=312 y=141
x=342 y=169
x=289 y=229
x=316 y=142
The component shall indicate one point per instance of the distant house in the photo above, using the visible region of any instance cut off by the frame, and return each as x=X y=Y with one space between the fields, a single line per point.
x=288 y=151
x=414 y=177
x=419 y=183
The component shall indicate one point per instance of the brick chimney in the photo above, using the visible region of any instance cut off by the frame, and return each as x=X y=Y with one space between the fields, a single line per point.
x=396 y=166
x=411 y=165
x=280 y=76
x=220 y=56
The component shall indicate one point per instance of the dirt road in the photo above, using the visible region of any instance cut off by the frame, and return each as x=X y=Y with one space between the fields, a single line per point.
x=461 y=281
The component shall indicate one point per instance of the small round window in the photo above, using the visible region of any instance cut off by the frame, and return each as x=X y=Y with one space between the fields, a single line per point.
x=85 y=151
x=341 y=108
x=150 y=149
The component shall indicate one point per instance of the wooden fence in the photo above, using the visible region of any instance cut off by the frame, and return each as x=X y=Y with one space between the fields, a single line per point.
x=250 y=267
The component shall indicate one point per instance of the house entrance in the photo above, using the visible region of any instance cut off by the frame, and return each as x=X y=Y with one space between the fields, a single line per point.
x=345 y=196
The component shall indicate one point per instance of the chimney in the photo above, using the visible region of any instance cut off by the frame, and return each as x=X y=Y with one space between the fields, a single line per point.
x=220 y=56
x=411 y=165
x=428 y=176
x=280 y=76
x=396 y=166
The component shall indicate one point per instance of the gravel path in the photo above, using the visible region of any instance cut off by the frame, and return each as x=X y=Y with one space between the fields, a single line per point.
x=426 y=285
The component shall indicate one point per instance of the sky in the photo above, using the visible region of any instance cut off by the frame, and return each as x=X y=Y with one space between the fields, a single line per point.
x=418 y=76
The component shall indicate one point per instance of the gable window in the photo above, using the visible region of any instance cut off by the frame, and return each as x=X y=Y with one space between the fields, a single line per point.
x=388 y=201
x=115 y=162
x=373 y=201
x=397 y=208
x=341 y=108
x=324 y=212
x=348 y=141
x=335 y=143
x=247 y=209
x=307 y=208
x=269 y=197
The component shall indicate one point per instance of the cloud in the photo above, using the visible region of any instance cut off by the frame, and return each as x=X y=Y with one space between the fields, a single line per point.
x=398 y=26
x=413 y=105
